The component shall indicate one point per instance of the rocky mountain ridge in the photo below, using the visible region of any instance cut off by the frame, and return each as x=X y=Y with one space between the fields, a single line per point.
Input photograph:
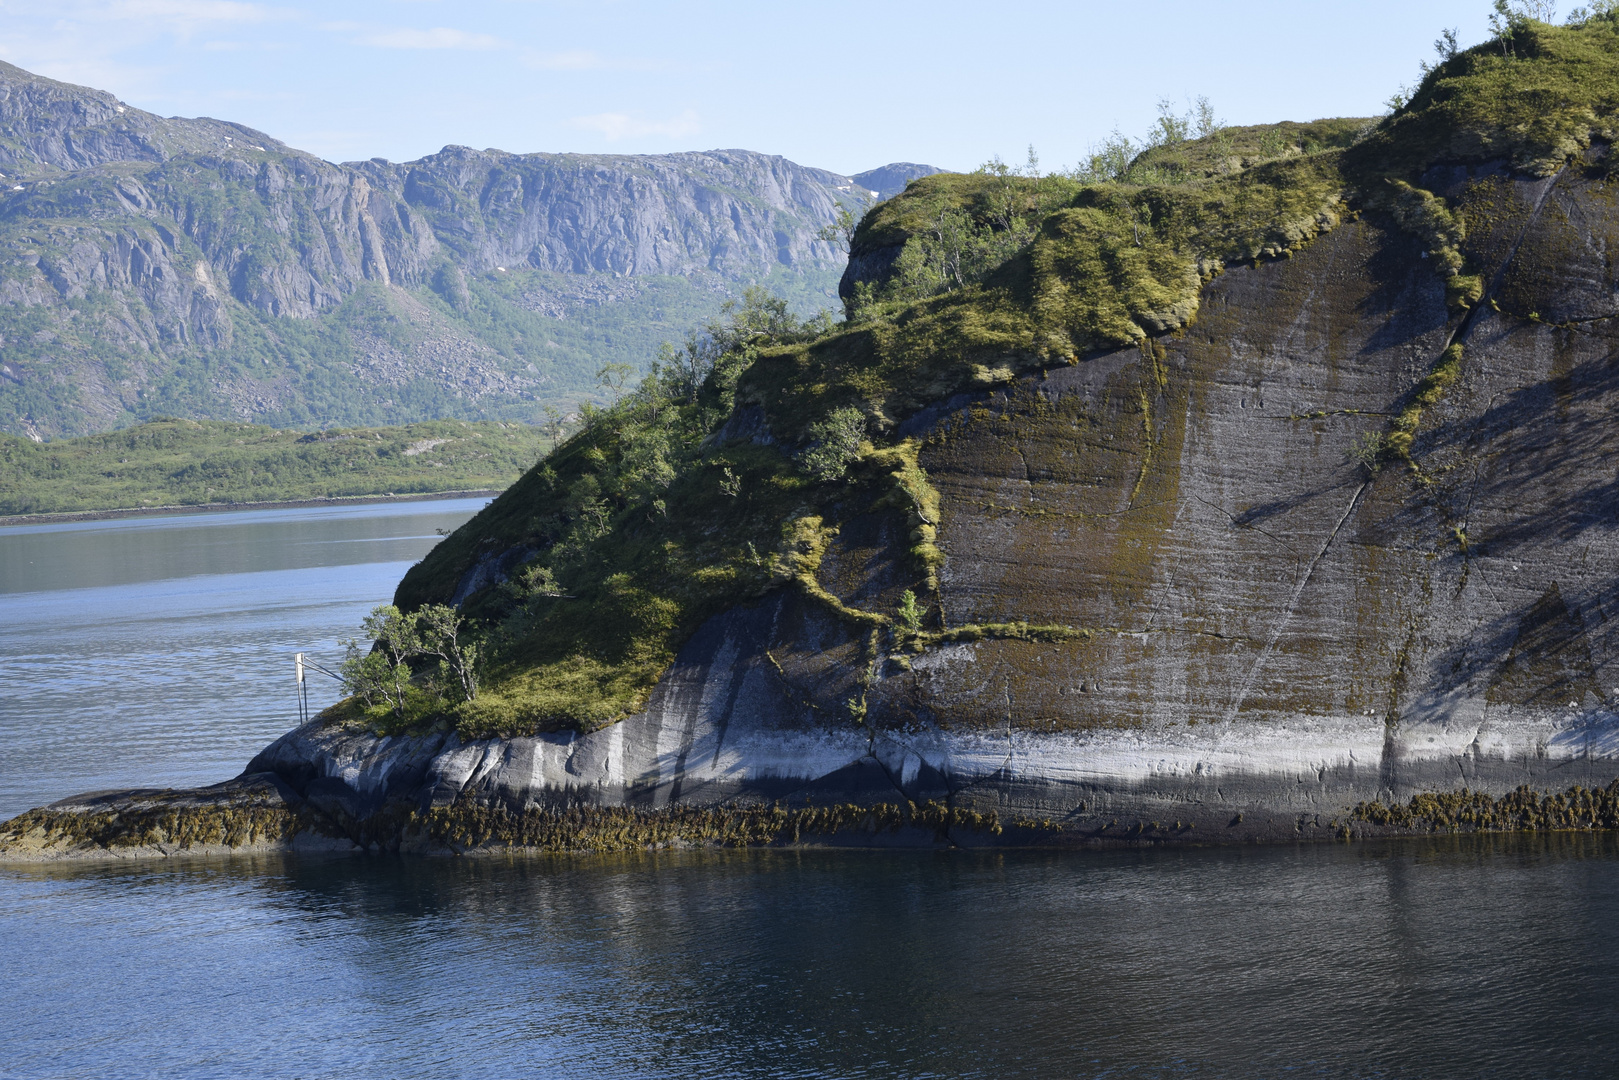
x=199 y=267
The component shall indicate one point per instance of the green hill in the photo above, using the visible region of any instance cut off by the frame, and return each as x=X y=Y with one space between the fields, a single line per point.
x=197 y=463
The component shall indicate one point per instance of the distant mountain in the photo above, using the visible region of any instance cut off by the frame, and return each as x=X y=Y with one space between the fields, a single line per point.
x=201 y=268
x=890 y=180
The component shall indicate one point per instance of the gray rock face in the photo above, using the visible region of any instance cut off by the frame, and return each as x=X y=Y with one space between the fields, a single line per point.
x=725 y=729
x=734 y=212
x=1262 y=632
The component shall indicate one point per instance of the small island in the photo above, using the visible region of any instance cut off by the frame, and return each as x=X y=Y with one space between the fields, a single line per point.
x=1254 y=487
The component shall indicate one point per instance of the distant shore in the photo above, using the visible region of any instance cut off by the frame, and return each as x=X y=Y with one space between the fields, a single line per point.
x=208 y=508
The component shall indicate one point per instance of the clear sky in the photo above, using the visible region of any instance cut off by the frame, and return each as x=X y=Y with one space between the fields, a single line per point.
x=841 y=85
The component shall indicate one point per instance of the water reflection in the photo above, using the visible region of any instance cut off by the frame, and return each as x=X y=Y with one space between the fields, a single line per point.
x=1464 y=958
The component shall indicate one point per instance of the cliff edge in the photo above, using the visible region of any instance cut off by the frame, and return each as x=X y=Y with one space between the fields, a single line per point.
x=1239 y=500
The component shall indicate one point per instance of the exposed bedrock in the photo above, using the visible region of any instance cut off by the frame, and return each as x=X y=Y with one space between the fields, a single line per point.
x=1247 y=631
x=726 y=728
x=1257 y=624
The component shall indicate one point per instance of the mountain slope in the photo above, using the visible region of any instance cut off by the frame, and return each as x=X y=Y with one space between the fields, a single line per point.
x=201 y=268
x=890 y=180
x=49 y=127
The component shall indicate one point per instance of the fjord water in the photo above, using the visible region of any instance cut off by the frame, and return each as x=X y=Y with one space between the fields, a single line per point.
x=1467 y=959
x=157 y=652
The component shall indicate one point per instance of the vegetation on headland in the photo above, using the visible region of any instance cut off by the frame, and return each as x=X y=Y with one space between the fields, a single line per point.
x=729 y=470
x=197 y=463
x=642 y=528
x=389 y=678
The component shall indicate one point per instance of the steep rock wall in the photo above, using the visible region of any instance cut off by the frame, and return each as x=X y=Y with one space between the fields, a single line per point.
x=1262 y=632
x=48 y=126
x=729 y=211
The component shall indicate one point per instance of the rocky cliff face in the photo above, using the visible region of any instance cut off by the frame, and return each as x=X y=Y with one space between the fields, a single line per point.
x=1266 y=634
x=1336 y=555
x=48 y=127
x=200 y=267
x=733 y=212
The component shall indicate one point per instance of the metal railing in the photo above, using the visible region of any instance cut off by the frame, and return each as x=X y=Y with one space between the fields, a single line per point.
x=299 y=663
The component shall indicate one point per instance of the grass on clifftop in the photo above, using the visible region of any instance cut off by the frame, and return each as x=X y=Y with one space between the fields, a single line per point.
x=1101 y=265
x=1534 y=97
x=725 y=478
x=1103 y=261
x=195 y=463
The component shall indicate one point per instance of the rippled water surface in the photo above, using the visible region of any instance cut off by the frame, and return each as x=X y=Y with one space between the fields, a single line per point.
x=1472 y=959
x=157 y=651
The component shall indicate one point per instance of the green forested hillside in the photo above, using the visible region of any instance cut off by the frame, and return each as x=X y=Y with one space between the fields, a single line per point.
x=191 y=463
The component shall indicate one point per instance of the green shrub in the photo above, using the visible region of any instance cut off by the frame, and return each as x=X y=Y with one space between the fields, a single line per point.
x=834 y=443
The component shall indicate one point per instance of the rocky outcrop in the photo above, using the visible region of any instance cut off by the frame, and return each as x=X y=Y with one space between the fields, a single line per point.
x=1267 y=634
x=728 y=727
x=1264 y=634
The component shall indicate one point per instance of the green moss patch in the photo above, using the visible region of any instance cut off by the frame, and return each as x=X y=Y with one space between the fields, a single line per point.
x=1424 y=396
x=1105 y=266
x=1535 y=98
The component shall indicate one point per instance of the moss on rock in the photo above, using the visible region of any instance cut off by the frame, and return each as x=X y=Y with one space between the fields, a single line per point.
x=674 y=507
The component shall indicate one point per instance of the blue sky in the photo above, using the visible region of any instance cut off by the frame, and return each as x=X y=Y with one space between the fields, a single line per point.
x=845 y=86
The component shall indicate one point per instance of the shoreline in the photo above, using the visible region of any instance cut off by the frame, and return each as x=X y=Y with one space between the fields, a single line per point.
x=59 y=517
x=258 y=814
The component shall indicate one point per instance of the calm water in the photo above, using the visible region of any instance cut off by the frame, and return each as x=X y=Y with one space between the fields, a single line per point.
x=157 y=651
x=1417 y=961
